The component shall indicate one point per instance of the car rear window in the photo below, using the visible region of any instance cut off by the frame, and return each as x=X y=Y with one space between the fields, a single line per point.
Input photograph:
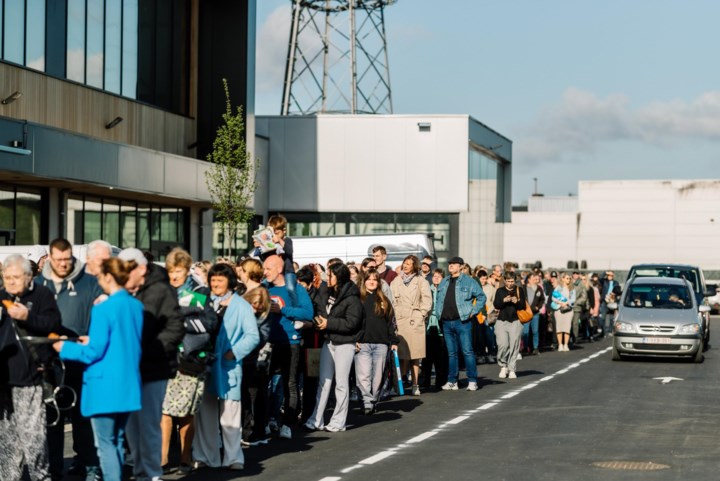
x=658 y=296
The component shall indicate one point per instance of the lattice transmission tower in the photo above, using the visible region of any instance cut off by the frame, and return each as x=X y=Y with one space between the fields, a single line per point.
x=337 y=58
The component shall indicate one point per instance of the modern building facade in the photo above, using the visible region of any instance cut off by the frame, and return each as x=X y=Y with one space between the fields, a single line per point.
x=448 y=175
x=109 y=108
x=615 y=224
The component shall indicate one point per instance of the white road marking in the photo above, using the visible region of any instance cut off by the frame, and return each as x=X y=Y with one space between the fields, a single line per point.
x=458 y=420
x=377 y=457
x=421 y=437
x=426 y=435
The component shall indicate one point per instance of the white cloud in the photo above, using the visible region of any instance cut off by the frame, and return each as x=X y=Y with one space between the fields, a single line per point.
x=582 y=123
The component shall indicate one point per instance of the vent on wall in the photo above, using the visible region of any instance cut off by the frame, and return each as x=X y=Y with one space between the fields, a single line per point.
x=424 y=126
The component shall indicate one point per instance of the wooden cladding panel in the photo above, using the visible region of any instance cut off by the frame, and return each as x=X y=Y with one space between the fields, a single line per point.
x=76 y=108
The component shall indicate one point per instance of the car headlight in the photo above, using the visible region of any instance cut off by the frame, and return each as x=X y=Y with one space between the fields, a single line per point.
x=624 y=327
x=689 y=329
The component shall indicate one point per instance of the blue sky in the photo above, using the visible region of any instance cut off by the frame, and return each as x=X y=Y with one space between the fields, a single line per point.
x=586 y=89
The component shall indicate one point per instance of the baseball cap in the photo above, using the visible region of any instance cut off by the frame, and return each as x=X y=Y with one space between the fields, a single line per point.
x=36 y=253
x=456 y=260
x=553 y=274
x=133 y=254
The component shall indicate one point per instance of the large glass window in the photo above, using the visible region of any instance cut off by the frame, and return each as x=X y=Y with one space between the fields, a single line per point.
x=95 y=54
x=14 y=31
x=76 y=40
x=35 y=48
x=126 y=224
x=129 y=48
x=21 y=216
x=113 y=38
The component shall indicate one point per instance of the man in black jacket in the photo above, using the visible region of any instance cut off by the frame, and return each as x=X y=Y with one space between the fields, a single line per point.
x=163 y=330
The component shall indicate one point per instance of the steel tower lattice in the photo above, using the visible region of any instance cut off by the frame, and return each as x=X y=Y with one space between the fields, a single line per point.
x=337 y=58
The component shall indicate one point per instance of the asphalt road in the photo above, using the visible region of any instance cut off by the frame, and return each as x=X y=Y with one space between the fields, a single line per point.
x=565 y=413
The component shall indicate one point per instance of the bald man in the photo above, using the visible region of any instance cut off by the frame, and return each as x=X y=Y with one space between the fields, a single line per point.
x=286 y=321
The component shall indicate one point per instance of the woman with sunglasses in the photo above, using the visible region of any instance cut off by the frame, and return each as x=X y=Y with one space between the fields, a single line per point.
x=562 y=302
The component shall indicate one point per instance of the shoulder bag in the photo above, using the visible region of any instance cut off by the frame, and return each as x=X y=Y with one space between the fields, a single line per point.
x=524 y=315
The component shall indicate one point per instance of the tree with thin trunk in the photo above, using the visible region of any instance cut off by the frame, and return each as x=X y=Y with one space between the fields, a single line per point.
x=231 y=179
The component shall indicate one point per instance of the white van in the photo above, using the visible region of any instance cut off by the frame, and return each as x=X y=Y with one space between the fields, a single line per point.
x=319 y=250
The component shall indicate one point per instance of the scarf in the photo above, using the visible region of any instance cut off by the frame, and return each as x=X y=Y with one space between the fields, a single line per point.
x=406 y=278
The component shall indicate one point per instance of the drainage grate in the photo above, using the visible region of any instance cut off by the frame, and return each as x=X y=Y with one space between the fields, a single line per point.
x=631 y=465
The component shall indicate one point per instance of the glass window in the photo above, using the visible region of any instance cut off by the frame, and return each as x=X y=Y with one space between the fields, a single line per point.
x=113 y=16
x=111 y=222
x=76 y=40
x=155 y=224
x=95 y=43
x=93 y=221
x=75 y=220
x=168 y=226
x=7 y=209
x=27 y=229
x=129 y=48
x=14 y=32
x=143 y=227
x=128 y=225
x=35 y=49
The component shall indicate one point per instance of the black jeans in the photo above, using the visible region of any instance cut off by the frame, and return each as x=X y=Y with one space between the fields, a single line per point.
x=254 y=400
x=286 y=361
x=82 y=432
x=435 y=355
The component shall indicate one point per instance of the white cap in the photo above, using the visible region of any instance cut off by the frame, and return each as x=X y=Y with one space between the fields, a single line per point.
x=36 y=253
x=133 y=254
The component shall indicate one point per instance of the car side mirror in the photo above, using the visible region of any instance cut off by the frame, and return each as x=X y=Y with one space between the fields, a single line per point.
x=704 y=309
x=711 y=290
x=612 y=306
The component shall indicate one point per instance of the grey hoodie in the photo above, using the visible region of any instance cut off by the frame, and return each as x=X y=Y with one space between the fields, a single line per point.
x=75 y=297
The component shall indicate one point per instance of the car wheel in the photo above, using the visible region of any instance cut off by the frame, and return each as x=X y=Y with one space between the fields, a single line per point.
x=616 y=355
x=699 y=357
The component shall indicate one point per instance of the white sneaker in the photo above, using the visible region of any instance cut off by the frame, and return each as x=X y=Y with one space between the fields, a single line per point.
x=519 y=356
x=285 y=432
x=512 y=375
x=450 y=386
x=503 y=373
x=472 y=386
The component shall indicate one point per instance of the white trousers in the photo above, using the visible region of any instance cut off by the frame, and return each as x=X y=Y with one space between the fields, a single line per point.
x=218 y=421
x=335 y=362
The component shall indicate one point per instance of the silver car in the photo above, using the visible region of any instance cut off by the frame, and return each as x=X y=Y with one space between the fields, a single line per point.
x=658 y=317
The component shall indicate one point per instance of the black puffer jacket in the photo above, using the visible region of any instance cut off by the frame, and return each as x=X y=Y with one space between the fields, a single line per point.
x=163 y=327
x=345 y=319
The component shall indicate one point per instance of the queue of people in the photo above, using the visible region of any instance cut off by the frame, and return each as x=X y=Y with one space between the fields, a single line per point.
x=230 y=354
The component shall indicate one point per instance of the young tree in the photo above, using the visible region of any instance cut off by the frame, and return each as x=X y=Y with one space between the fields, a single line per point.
x=231 y=179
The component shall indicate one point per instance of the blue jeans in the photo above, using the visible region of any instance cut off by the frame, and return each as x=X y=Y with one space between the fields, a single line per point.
x=143 y=432
x=535 y=324
x=109 y=432
x=458 y=336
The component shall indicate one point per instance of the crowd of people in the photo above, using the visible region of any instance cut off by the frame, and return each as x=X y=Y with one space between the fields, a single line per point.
x=227 y=355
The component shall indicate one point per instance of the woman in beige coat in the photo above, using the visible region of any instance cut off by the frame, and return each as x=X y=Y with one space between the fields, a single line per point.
x=413 y=301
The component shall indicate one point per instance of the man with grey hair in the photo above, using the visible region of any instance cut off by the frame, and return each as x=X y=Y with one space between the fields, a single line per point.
x=97 y=252
x=163 y=330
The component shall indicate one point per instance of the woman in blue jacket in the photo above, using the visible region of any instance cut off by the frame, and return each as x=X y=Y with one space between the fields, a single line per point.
x=111 y=380
x=237 y=337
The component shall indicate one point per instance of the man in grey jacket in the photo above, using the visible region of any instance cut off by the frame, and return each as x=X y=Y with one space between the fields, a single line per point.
x=580 y=306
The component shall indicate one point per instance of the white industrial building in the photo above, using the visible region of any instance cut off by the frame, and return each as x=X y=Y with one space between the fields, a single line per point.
x=360 y=174
x=614 y=224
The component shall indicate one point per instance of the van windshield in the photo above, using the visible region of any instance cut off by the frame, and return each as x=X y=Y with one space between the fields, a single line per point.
x=690 y=275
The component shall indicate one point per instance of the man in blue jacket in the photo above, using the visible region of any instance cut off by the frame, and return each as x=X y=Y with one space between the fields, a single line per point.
x=286 y=322
x=459 y=300
x=76 y=292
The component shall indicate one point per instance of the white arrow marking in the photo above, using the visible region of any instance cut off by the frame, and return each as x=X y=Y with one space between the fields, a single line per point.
x=667 y=380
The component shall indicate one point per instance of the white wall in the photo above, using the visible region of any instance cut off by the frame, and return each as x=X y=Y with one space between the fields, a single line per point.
x=481 y=238
x=367 y=163
x=620 y=223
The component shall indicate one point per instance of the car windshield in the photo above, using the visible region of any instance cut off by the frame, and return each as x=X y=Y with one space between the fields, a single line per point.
x=668 y=272
x=658 y=296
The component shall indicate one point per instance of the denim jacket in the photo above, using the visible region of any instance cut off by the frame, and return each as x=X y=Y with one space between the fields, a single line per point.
x=467 y=289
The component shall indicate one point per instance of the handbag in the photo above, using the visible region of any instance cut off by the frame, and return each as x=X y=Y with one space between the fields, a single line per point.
x=566 y=309
x=524 y=315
